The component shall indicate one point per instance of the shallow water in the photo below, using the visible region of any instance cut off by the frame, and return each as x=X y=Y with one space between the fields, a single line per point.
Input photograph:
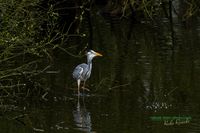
x=147 y=81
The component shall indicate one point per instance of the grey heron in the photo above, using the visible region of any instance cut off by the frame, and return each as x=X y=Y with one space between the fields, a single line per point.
x=83 y=71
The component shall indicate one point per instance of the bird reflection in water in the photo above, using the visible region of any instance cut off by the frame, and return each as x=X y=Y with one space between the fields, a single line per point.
x=82 y=72
x=82 y=117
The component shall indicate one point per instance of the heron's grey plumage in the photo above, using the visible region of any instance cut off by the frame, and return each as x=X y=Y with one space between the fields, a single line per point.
x=83 y=71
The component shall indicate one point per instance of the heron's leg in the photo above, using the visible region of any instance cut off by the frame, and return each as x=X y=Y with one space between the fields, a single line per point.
x=84 y=88
x=84 y=84
x=78 y=104
x=78 y=82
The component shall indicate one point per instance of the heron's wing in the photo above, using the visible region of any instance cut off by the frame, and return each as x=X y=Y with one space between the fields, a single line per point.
x=79 y=71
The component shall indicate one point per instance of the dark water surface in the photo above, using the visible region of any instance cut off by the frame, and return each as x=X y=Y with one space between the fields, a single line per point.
x=148 y=81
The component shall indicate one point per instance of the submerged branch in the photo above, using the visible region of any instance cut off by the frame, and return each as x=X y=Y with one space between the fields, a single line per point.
x=12 y=86
x=117 y=86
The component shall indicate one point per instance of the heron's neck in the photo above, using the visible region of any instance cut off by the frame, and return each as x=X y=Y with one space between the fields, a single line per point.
x=89 y=62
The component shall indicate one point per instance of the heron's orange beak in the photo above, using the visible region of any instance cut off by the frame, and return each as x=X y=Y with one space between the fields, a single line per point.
x=98 y=54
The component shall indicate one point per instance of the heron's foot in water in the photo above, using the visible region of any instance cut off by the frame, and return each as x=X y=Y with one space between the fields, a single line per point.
x=84 y=88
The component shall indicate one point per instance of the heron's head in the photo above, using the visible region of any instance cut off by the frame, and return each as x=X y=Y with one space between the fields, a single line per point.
x=91 y=54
